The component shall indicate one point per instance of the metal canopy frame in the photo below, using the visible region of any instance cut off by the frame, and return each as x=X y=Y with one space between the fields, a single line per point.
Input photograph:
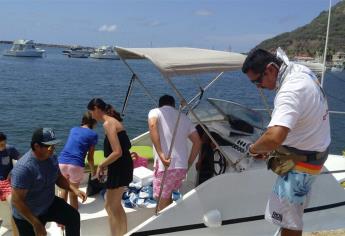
x=183 y=101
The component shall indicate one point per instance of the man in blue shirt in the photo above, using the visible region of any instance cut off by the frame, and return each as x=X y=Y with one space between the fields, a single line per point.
x=33 y=189
x=7 y=155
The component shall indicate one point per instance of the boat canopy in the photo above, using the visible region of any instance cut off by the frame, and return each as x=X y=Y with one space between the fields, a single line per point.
x=179 y=61
x=23 y=41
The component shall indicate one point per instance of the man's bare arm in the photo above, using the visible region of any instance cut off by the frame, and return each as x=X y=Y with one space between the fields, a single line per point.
x=270 y=140
x=154 y=134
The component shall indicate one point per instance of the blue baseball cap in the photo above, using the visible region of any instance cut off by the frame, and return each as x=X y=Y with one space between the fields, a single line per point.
x=45 y=136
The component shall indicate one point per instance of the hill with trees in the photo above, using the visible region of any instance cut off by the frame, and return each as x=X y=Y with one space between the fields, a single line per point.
x=309 y=40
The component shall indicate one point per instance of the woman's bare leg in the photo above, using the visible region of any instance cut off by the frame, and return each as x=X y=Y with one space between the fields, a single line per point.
x=73 y=199
x=117 y=216
x=63 y=194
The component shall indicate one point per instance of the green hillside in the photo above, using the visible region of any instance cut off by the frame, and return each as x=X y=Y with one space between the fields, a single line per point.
x=309 y=40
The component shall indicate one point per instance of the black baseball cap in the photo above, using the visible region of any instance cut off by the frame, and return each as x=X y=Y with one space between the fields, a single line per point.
x=45 y=136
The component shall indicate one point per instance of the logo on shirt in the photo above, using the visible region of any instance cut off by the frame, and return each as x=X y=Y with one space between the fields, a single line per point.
x=277 y=216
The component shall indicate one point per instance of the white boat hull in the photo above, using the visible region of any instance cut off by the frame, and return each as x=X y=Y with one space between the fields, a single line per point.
x=78 y=55
x=104 y=56
x=241 y=199
x=24 y=53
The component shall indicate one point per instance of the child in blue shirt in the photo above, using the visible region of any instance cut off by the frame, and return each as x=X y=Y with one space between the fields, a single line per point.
x=81 y=140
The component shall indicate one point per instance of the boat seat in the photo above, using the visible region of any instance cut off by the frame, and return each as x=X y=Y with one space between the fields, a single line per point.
x=98 y=157
x=143 y=151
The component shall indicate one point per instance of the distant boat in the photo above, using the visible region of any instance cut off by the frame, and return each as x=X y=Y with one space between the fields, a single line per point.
x=105 y=52
x=337 y=68
x=77 y=52
x=24 y=48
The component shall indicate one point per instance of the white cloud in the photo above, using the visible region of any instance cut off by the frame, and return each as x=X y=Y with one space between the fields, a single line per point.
x=107 y=28
x=203 y=13
x=154 y=23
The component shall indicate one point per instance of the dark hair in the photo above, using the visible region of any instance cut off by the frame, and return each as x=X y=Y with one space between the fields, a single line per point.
x=88 y=120
x=258 y=59
x=106 y=108
x=202 y=134
x=200 y=130
x=166 y=100
x=2 y=136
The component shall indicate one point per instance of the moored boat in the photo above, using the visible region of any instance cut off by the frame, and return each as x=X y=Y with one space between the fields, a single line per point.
x=24 y=48
x=105 y=52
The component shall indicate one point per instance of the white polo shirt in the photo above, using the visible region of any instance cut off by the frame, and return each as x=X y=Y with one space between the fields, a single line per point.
x=167 y=117
x=300 y=106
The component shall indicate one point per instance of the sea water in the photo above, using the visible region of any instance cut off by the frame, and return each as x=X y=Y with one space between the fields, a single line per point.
x=54 y=91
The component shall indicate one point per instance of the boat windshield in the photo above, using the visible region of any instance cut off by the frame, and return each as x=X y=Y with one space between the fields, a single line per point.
x=238 y=116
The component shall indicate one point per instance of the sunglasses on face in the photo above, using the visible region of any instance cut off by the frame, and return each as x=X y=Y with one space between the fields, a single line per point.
x=258 y=80
x=49 y=147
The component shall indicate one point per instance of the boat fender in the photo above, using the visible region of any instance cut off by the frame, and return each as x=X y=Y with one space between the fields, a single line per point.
x=213 y=218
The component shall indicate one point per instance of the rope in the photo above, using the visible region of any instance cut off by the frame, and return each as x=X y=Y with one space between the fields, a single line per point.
x=332 y=172
x=169 y=154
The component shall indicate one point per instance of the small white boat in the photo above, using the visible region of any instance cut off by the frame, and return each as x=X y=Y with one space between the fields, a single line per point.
x=24 y=48
x=105 y=52
x=337 y=68
x=77 y=52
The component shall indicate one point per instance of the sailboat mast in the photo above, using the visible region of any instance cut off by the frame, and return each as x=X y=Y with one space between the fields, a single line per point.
x=326 y=44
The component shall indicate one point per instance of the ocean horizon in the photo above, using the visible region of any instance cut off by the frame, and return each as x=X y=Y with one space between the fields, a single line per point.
x=54 y=91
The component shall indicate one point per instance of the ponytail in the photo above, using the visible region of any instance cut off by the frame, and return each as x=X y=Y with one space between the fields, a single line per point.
x=106 y=108
x=110 y=111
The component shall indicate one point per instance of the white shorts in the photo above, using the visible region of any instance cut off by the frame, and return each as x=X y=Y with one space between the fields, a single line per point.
x=289 y=197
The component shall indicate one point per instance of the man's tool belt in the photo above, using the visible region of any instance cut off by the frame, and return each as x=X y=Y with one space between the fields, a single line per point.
x=283 y=159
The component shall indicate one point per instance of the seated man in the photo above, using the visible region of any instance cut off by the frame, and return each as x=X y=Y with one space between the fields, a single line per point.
x=7 y=155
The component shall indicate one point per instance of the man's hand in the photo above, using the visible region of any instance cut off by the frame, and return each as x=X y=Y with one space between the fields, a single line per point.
x=165 y=160
x=82 y=195
x=256 y=155
x=39 y=229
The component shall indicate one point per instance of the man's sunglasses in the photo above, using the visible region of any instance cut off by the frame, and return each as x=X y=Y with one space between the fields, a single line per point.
x=50 y=147
x=258 y=81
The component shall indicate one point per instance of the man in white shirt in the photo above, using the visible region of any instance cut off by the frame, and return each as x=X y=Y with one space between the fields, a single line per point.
x=162 y=121
x=299 y=122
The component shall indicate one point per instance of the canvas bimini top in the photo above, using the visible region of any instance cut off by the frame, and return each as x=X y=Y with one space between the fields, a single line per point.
x=179 y=61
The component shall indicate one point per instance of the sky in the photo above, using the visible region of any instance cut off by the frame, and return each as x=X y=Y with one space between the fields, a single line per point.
x=236 y=25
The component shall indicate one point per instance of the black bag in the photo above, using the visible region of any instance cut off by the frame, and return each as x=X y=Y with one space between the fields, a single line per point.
x=94 y=186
